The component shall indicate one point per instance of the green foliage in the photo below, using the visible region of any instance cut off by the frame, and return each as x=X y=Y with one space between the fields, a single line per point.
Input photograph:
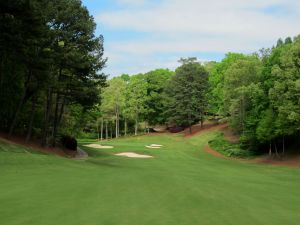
x=50 y=60
x=156 y=84
x=260 y=93
x=216 y=82
x=136 y=97
x=220 y=144
x=186 y=94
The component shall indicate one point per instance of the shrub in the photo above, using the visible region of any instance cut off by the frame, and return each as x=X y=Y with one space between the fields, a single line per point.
x=69 y=142
x=229 y=149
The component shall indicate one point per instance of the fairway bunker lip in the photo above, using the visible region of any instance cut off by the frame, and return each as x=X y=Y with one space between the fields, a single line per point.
x=97 y=146
x=133 y=155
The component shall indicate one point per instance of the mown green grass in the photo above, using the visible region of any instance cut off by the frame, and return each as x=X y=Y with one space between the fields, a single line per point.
x=181 y=185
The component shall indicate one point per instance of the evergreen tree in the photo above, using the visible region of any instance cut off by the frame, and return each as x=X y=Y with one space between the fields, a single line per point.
x=186 y=101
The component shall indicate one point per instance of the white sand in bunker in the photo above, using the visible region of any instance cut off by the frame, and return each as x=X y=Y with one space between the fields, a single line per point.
x=153 y=146
x=98 y=146
x=133 y=155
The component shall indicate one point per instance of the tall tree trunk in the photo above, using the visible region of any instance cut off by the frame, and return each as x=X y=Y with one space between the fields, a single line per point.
x=47 y=116
x=16 y=115
x=136 y=126
x=125 y=127
x=33 y=110
x=111 y=130
x=61 y=112
x=190 y=123
x=20 y=105
x=55 y=121
x=98 y=135
x=101 y=134
x=202 y=120
x=270 y=149
x=276 y=151
x=283 y=146
x=1 y=71
x=116 y=125
x=106 y=130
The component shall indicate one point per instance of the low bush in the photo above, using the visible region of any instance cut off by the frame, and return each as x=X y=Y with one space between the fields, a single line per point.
x=69 y=142
x=228 y=149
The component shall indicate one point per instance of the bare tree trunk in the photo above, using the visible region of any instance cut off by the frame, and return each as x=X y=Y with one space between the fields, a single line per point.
x=16 y=116
x=116 y=125
x=283 y=146
x=111 y=130
x=136 y=127
x=270 y=149
x=61 y=110
x=125 y=127
x=33 y=109
x=1 y=74
x=98 y=130
x=190 y=124
x=47 y=117
x=101 y=129
x=106 y=130
x=55 y=121
x=20 y=105
x=276 y=150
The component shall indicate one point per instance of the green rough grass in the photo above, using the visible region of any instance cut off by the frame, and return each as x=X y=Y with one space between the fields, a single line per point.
x=221 y=145
x=182 y=185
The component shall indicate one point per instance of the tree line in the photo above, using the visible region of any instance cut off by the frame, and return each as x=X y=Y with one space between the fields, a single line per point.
x=159 y=97
x=50 y=62
x=257 y=94
x=260 y=94
x=51 y=84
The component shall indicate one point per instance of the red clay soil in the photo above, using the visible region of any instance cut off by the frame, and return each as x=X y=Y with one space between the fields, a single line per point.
x=34 y=145
x=210 y=151
x=229 y=135
x=288 y=160
x=197 y=129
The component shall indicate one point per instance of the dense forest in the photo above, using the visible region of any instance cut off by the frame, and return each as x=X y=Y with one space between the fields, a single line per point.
x=51 y=84
x=50 y=61
x=257 y=94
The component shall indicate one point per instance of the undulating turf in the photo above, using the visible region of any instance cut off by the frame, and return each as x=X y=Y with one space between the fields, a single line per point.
x=181 y=185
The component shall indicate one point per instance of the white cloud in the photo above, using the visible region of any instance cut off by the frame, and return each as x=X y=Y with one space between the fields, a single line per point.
x=188 y=26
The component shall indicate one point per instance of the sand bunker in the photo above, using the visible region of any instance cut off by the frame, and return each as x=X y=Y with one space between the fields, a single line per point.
x=133 y=155
x=98 y=146
x=153 y=146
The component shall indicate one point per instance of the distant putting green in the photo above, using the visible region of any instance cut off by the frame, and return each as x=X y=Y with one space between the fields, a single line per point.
x=180 y=185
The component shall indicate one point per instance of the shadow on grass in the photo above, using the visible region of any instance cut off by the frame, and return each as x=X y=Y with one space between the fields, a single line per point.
x=105 y=163
x=13 y=148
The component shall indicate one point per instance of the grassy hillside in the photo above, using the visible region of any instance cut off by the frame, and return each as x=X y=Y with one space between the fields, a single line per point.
x=181 y=185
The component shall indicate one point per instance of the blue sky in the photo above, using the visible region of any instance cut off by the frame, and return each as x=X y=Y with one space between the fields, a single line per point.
x=141 y=35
